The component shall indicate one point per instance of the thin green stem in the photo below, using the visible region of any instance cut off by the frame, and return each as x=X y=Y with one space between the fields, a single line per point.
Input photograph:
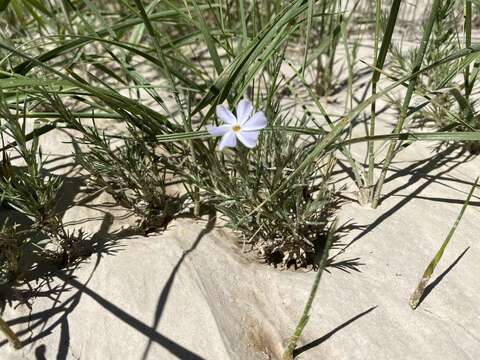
x=406 y=101
x=308 y=34
x=292 y=342
x=379 y=63
x=417 y=294
x=243 y=20
x=468 y=43
x=371 y=132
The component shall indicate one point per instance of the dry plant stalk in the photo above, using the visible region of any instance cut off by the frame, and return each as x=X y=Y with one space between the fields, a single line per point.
x=10 y=335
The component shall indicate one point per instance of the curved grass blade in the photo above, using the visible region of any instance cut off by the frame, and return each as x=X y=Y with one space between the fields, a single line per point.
x=27 y=65
x=145 y=118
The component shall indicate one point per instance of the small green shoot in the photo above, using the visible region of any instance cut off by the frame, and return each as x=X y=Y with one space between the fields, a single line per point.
x=417 y=294
x=292 y=342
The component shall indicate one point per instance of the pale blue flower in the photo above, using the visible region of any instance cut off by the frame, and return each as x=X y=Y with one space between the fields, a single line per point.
x=244 y=127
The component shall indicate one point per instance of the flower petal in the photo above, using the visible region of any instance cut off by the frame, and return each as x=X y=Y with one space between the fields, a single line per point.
x=248 y=138
x=244 y=110
x=228 y=140
x=225 y=115
x=218 y=130
x=256 y=122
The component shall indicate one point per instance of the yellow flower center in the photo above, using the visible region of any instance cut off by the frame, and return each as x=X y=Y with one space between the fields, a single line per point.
x=236 y=128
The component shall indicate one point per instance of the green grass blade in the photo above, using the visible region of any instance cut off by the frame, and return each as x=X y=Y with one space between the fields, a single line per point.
x=308 y=32
x=243 y=20
x=379 y=63
x=468 y=43
x=417 y=294
x=292 y=342
x=211 y=45
x=26 y=66
x=408 y=136
x=406 y=101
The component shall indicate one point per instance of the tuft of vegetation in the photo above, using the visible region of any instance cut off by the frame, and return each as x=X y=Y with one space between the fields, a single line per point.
x=134 y=173
x=448 y=105
x=33 y=192
x=285 y=226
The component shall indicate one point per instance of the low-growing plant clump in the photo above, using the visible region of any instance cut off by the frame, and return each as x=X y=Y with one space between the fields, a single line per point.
x=250 y=108
x=447 y=103
x=34 y=193
x=133 y=173
x=285 y=219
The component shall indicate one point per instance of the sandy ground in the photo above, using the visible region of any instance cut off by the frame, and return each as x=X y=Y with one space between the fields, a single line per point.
x=189 y=293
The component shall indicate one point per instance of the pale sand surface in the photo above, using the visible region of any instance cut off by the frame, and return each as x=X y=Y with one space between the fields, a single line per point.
x=189 y=293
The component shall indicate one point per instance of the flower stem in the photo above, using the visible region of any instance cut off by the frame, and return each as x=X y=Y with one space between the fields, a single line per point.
x=468 y=42
x=292 y=342
x=380 y=55
x=196 y=202
x=9 y=334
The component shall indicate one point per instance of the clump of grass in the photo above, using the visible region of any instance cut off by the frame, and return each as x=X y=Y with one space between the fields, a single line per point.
x=133 y=173
x=286 y=227
x=449 y=106
x=128 y=165
x=34 y=192
x=12 y=252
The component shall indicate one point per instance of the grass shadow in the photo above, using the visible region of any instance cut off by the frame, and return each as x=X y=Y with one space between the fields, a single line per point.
x=417 y=173
x=328 y=335
x=440 y=277
x=162 y=300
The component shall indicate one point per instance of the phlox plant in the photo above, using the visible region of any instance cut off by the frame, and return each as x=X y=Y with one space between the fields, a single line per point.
x=241 y=179
x=133 y=172
x=30 y=190
x=178 y=76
